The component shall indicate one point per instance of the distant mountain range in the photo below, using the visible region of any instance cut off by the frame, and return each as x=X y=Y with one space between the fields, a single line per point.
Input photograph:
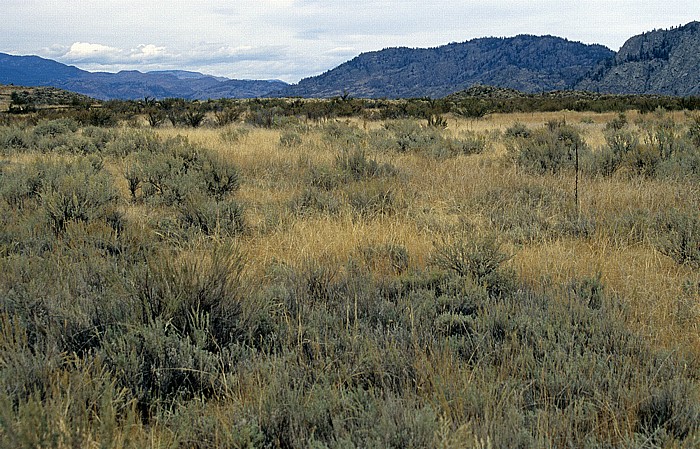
x=526 y=63
x=129 y=85
x=665 y=62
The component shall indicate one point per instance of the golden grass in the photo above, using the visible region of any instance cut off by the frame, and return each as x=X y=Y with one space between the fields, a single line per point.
x=649 y=282
x=436 y=200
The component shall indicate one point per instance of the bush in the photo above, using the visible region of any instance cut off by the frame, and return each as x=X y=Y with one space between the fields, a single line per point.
x=324 y=177
x=469 y=143
x=193 y=117
x=678 y=236
x=355 y=165
x=265 y=117
x=76 y=192
x=189 y=293
x=234 y=134
x=372 y=199
x=97 y=117
x=480 y=259
x=386 y=258
x=20 y=185
x=53 y=128
x=290 y=139
x=694 y=131
x=617 y=123
x=15 y=139
x=174 y=169
x=671 y=409
x=227 y=115
x=549 y=149
x=518 y=130
x=214 y=218
x=130 y=141
x=158 y=366
x=313 y=199
x=220 y=176
x=410 y=136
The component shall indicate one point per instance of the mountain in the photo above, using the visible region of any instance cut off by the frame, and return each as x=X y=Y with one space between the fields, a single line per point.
x=526 y=63
x=128 y=85
x=186 y=75
x=35 y=71
x=663 y=62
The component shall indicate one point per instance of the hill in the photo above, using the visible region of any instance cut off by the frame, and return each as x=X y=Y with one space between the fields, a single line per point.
x=663 y=62
x=526 y=63
x=40 y=97
x=128 y=85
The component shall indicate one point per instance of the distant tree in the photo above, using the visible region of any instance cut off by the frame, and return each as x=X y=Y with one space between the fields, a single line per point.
x=21 y=103
x=174 y=109
x=194 y=116
x=155 y=115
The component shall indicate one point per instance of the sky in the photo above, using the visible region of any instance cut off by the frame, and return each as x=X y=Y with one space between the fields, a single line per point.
x=294 y=39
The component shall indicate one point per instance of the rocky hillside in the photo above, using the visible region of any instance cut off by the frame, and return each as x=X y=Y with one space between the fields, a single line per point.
x=663 y=62
x=526 y=63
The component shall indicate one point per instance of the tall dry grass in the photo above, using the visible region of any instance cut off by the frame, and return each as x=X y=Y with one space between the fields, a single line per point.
x=346 y=325
x=437 y=200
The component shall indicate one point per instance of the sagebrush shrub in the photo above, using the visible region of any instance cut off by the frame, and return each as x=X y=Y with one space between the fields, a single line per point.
x=14 y=139
x=76 y=192
x=550 y=149
x=184 y=292
x=234 y=134
x=53 y=128
x=678 y=236
x=290 y=139
x=220 y=176
x=372 y=198
x=315 y=200
x=172 y=170
x=211 y=217
x=517 y=130
x=480 y=258
x=354 y=164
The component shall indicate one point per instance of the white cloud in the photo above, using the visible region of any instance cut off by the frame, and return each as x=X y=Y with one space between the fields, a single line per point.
x=83 y=51
x=148 y=51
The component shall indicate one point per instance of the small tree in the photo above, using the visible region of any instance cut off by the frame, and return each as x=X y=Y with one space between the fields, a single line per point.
x=194 y=116
x=21 y=103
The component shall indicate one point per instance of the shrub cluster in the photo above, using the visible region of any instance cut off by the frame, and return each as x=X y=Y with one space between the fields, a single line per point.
x=409 y=136
x=551 y=149
x=355 y=179
x=192 y=180
x=659 y=147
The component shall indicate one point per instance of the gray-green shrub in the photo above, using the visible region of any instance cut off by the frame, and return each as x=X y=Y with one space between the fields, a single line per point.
x=550 y=149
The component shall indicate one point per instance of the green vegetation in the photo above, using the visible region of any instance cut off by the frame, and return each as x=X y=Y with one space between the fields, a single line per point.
x=275 y=279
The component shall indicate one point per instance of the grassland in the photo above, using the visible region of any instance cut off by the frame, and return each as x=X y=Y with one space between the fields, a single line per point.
x=520 y=280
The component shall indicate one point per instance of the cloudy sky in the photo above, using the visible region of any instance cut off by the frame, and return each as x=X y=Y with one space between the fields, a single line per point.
x=293 y=39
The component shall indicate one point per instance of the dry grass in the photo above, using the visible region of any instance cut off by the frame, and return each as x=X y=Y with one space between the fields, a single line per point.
x=437 y=197
x=432 y=200
x=437 y=200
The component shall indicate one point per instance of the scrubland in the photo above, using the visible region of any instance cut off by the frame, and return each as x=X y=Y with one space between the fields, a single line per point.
x=518 y=280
